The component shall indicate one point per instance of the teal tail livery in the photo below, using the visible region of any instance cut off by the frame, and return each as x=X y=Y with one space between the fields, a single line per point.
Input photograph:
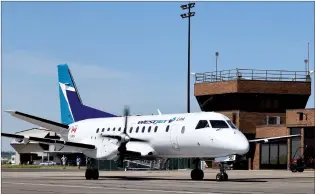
x=71 y=106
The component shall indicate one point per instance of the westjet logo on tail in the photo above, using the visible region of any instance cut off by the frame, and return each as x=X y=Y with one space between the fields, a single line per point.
x=161 y=121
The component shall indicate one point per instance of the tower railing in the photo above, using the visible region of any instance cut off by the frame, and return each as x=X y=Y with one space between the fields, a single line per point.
x=252 y=74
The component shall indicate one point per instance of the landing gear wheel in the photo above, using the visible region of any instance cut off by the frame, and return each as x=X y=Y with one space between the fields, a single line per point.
x=91 y=174
x=95 y=174
x=222 y=177
x=88 y=174
x=226 y=177
x=197 y=174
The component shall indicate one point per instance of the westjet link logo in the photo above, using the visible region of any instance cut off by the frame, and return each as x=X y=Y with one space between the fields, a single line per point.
x=161 y=121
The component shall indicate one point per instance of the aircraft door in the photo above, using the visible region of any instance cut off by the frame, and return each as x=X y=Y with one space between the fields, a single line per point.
x=174 y=131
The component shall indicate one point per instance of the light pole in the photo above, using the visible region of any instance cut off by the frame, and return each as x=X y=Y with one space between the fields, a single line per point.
x=306 y=68
x=188 y=15
x=216 y=65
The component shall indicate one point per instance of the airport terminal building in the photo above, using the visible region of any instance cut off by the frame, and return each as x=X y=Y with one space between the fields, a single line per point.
x=263 y=103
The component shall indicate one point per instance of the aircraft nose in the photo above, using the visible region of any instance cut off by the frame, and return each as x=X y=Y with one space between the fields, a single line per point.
x=242 y=144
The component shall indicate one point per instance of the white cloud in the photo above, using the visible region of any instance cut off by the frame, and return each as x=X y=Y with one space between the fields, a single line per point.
x=45 y=66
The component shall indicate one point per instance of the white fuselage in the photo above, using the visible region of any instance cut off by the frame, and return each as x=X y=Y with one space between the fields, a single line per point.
x=181 y=140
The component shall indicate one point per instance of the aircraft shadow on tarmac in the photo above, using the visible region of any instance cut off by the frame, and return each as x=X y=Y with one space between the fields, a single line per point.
x=130 y=178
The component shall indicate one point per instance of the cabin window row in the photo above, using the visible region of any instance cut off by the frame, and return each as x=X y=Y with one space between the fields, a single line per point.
x=136 y=129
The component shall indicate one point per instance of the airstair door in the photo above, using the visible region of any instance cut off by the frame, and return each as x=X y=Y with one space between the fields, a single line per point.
x=174 y=131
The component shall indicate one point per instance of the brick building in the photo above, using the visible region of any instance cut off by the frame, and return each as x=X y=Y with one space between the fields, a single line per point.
x=262 y=103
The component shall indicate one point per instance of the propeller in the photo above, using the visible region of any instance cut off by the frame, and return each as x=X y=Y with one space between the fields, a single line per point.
x=124 y=138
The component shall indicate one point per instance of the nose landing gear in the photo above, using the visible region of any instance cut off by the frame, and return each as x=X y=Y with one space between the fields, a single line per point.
x=222 y=175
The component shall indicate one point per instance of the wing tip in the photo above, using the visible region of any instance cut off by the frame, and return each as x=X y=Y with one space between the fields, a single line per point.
x=10 y=111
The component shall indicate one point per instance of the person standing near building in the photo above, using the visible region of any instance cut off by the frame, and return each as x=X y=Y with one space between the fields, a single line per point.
x=64 y=161
x=78 y=162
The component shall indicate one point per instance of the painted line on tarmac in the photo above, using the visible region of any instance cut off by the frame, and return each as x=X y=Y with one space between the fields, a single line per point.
x=110 y=188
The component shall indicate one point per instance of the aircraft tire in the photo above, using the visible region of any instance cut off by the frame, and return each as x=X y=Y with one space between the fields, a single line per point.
x=226 y=177
x=88 y=174
x=222 y=177
x=197 y=174
x=95 y=174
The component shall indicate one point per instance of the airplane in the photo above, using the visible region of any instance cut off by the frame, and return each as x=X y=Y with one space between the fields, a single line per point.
x=102 y=135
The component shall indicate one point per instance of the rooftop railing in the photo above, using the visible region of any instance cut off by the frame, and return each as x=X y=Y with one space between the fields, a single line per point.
x=252 y=74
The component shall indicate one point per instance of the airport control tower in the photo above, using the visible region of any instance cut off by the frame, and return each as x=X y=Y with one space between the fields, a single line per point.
x=252 y=97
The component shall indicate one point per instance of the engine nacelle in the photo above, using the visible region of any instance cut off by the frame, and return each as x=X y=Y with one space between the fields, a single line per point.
x=26 y=140
x=144 y=148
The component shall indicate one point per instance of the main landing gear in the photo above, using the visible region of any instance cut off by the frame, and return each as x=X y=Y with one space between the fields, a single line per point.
x=91 y=171
x=222 y=176
x=197 y=173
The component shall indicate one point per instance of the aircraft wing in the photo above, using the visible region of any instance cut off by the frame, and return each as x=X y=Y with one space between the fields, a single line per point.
x=52 y=125
x=48 y=141
x=269 y=139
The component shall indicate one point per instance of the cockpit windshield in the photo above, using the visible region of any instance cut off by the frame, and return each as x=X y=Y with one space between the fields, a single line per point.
x=202 y=124
x=218 y=124
x=231 y=124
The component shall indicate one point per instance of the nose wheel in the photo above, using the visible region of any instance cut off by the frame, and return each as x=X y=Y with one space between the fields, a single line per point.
x=222 y=175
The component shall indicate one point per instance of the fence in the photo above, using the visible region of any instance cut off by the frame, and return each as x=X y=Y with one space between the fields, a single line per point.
x=252 y=74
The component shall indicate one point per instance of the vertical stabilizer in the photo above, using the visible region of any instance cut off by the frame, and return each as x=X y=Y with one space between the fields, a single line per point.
x=71 y=106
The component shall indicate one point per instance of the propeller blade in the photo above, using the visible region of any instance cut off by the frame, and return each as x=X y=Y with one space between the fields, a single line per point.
x=113 y=136
x=126 y=114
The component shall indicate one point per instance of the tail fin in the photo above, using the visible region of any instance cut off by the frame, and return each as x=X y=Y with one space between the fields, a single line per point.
x=71 y=106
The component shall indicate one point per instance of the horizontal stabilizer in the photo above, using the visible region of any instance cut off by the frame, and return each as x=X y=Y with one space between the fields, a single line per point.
x=49 y=141
x=269 y=139
x=47 y=124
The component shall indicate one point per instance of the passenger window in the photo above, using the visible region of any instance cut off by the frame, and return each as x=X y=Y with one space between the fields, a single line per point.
x=149 y=129
x=108 y=129
x=218 y=124
x=137 y=129
x=143 y=128
x=231 y=124
x=103 y=129
x=183 y=129
x=130 y=130
x=156 y=128
x=114 y=129
x=202 y=124
x=97 y=130
x=167 y=128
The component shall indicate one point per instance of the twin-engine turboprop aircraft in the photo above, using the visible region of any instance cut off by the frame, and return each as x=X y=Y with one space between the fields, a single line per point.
x=101 y=135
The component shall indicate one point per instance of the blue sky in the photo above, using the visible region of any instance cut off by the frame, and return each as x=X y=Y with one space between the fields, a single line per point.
x=135 y=53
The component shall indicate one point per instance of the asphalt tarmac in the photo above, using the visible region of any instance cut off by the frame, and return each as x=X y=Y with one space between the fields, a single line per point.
x=156 y=182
